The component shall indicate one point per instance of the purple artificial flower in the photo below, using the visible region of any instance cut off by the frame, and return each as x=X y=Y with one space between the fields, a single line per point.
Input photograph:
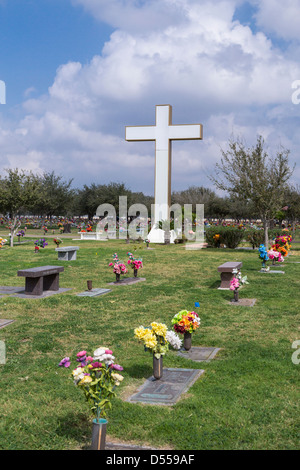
x=65 y=362
x=116 y=367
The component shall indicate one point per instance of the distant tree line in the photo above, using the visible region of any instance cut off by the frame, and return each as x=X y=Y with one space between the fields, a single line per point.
x=256 y=187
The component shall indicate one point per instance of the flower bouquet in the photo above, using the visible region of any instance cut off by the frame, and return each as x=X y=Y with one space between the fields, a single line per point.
x=2 y=242
x=234 y=286
x=275 y=255
x=40 y=243
x=97 y=377
x=282 y=244
x=118 y=267
x=157 y=339
x=20 y=234
x=263 y=255
x=57 y=241
x=186 y=323
x=134 y=263
x=237 y=281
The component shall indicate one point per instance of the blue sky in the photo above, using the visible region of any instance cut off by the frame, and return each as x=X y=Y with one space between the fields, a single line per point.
x=37 y=36
x=78 y=71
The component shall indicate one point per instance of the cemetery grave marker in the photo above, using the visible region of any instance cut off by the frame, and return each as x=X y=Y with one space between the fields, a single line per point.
x=227 y=273
x=128 y=281
x=243 y=302
x=2 y=353
x=94 y=292
x=168 y=389
x=4 y=322
x=200 y=354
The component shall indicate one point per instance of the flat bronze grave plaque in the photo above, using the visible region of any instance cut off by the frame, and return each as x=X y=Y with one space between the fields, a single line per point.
x=243 y=302
x=167 y=390
x=94 y=292
x=2 y=353
x=8 y=290
x=273 y=271
x=127 y=281
x=4 y=322
x=199 y=354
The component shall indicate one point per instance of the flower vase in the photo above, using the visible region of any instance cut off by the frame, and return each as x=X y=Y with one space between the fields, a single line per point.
x=236 y=295
x=187 y=341
x=157 y=367
x=89 y=285
x=273 y=262
x=99 y=434
x=117 y=277
x=135 y=272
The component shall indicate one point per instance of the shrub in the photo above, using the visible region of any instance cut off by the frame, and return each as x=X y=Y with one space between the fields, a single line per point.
x=231 y=237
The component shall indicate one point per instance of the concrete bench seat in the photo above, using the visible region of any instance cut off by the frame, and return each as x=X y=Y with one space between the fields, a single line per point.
x=67 y=253
x=227 y=274
x=40 y=279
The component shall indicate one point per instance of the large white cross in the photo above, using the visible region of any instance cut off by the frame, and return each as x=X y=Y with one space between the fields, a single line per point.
x=163 y=133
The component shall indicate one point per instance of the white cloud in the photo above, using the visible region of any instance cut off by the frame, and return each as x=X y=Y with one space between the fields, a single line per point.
x=279 y=18
x=212 y=70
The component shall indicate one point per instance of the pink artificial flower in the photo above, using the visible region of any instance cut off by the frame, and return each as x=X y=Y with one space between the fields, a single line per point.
x=81 y=354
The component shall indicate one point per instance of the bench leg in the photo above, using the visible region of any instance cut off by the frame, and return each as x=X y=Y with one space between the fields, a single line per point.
x=51 y=282
x=72 y=256
x=225 y=280
x=33 y=285
x=63 y=256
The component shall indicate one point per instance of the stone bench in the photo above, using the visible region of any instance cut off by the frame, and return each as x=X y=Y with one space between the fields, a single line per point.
x=67 y=253
x=227 y=274
x=40 y=279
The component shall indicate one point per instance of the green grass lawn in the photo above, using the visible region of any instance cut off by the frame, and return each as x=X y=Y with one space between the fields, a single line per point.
x=247 y=397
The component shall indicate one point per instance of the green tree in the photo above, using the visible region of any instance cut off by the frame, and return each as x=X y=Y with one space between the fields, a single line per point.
x=55 y=196
x=18 y=192
x=254 y=177
x=291 y=207
x=90 y=197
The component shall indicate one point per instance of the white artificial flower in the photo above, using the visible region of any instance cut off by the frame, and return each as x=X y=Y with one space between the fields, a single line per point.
x=78 y=374
x=173 y=339
x=101 y=356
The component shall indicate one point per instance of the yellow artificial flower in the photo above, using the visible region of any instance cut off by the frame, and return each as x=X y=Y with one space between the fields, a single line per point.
x=117 y=377
x=150 y=342
x=140 y=332
x=159 y=328
x=85 y=380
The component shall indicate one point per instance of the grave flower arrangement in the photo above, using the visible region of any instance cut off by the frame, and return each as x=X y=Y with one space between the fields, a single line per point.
x=20 y=234
x=275 y=255
x=186 y=323
x=263 y=255
x=134 y=263
x=40 y=243
x=97 y=376
x=282 y=244
x=234 y=286
x=2 y=242
x=57 y=241
x=118 y=266
x=157 y=339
